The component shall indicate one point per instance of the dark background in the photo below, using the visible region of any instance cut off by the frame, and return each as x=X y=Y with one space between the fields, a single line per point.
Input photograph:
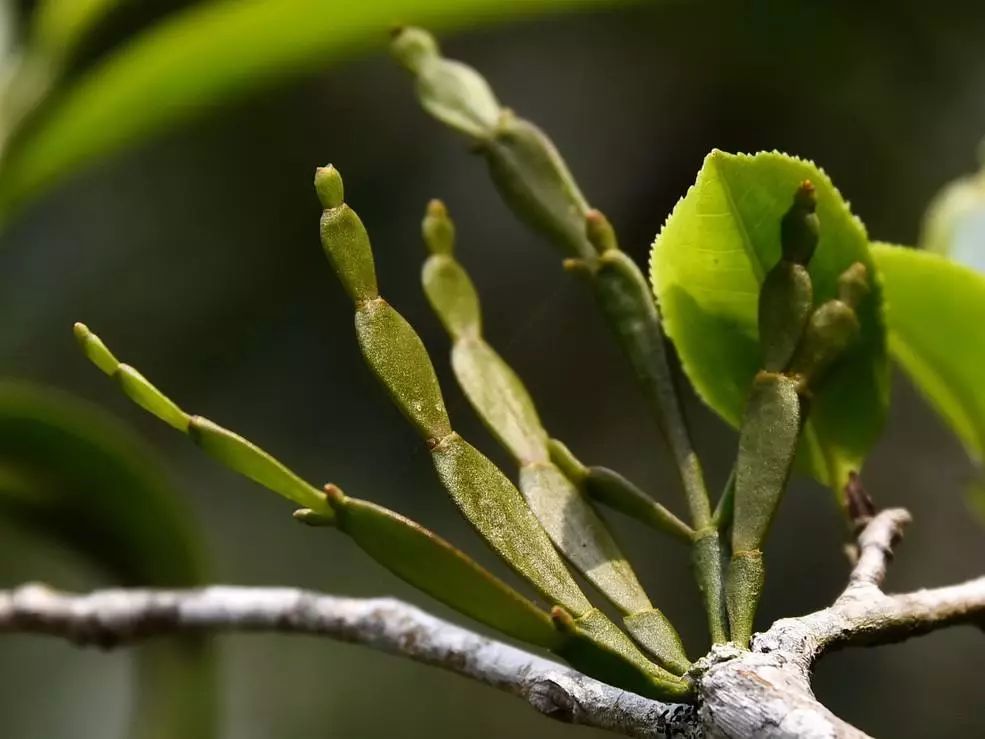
x=196 y=256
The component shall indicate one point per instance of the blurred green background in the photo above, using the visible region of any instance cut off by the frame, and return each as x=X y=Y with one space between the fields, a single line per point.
x=196 y=256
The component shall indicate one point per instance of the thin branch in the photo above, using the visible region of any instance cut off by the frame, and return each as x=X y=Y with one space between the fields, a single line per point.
x=767 y=692
x=764 y=692
x=863 y=614
x=110 y=618
x=875 y=548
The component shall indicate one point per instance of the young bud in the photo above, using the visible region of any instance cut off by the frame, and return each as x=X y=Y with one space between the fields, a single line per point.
x=412 y=47
x=832 y=328
x=328 y=185
x=438 y=229
x=853 y=285
x=452 y=92
x=599 y=231
x=799 y=227
x=95 y=350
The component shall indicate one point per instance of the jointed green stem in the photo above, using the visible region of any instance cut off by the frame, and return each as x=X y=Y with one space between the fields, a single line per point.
x=491 y=503
x=537 y=184
x=505 y=406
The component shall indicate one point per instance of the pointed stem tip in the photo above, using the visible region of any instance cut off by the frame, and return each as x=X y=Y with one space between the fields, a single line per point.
x=438 y=229
x=412 y=46
x=328 y=185
x=599 y=231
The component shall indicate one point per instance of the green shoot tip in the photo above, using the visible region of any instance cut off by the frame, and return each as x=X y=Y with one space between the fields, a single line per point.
x=806 y=196
x=853 y=284
x=599 y=231
x=411 y=46
x=310 y=517
x=328 y=185
x=438 y=229
x=95 y=350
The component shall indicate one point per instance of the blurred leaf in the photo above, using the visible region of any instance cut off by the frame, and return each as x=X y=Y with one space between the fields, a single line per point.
x=81 y=478
x=954 y=225
x=58 y=26
x=935 y=310
x=71 y=473
x=202 y=57
x=707 y=265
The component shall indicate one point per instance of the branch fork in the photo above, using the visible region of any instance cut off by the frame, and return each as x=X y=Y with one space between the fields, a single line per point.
x=764 y=692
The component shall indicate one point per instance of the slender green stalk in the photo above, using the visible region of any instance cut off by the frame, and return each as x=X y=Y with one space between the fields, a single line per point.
x=536 y=183
x=612 y=489
x=505 y=406
x=722 y=517
x=589 y=642
x=491 y=503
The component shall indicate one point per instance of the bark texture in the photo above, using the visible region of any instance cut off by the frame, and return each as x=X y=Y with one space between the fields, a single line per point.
x=762 y=692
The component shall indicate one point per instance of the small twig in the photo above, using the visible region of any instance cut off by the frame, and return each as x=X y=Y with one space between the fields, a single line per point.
x=875 y=548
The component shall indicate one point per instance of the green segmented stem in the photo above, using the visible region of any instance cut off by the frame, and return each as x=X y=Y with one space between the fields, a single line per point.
x=626 y=301
x=491 y=503
x=407 y=549
x=786 y=297
x=501 y=400
x=536 y=183
x=799 y=343
x=415 y=554
x=767 y=445
x=786 y=300
x=396 y=355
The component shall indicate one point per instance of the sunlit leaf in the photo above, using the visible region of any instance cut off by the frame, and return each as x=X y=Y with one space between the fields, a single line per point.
x=934 y=312
x=954 y=224
x=706 y=268
x=204 y=56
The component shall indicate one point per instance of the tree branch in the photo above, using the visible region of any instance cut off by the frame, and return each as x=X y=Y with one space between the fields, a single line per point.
x=764 y=692
x=111 y=618
x=767 y=693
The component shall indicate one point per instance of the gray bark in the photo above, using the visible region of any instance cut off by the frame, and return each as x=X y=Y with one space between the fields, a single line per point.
x=763 y=692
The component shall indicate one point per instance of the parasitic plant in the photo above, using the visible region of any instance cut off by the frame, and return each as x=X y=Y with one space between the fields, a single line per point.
x=776 y=346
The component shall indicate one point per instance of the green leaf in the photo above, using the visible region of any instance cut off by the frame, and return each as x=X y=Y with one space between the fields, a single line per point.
x=934 y=311
x=202 y=57
x=706 y=268
x=71 y=473
x=59 y=26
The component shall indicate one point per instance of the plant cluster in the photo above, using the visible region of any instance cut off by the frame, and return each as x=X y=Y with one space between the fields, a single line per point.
x=765 y=282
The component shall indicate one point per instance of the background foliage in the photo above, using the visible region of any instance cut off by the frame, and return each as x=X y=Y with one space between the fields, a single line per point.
x=198 y=251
